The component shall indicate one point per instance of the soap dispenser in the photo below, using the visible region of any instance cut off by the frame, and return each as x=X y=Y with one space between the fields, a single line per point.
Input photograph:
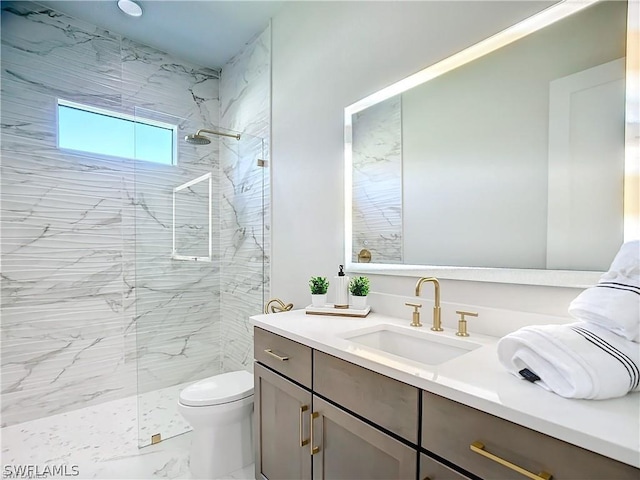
x=341 y=283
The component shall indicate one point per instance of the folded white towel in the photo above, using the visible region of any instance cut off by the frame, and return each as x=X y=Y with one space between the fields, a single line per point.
x=614 y=302
x=578 y=360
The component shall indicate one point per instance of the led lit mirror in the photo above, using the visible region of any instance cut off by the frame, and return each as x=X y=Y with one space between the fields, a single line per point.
x=505 y=162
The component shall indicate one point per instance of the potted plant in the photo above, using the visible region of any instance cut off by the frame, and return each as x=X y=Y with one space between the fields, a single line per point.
x=359 y=289
x=319 y=287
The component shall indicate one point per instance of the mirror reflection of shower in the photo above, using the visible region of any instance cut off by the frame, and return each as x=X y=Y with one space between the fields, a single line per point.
x=199 y=139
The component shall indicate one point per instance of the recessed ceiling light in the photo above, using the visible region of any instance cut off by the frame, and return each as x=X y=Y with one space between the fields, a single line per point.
x=130 y=8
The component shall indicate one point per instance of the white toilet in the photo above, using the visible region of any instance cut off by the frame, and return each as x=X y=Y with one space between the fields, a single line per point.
x=220 y=411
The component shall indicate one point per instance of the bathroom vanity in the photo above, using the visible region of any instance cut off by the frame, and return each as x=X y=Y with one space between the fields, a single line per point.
x=329 y=403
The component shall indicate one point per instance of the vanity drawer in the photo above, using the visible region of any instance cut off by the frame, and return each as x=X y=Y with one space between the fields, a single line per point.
x=391 y=404
x=285 y=356
x=450 y=428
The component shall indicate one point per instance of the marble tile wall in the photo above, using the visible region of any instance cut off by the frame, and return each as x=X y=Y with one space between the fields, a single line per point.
x=245 y=87
x=377 y=181
x=89 y=290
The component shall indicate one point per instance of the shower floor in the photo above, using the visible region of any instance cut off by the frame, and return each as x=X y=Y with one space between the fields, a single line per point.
x=159 y=414
x=102 y=442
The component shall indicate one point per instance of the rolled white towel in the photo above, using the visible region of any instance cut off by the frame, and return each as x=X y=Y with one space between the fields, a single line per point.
x=614 y=303
x=626 y=263
x=578 y=360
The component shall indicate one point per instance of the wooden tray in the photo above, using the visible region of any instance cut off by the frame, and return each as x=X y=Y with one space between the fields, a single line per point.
x=338 y=312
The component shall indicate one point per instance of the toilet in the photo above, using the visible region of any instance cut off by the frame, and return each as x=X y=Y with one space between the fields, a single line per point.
x=220 y=411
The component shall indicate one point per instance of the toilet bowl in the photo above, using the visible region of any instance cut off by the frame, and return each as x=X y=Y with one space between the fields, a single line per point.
x=220 y=411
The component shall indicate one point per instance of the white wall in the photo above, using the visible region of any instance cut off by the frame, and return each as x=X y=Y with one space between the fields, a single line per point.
x=327 y=55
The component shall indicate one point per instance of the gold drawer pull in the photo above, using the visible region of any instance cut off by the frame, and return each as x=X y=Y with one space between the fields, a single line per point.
x=313 y=449
x=478 y=447
x=303 y=409
x=279 y=357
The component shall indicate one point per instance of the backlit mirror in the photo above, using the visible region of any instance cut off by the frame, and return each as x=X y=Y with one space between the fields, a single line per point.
x=505 y=162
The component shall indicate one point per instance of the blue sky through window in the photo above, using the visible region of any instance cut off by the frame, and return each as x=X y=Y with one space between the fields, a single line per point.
x=104 y=134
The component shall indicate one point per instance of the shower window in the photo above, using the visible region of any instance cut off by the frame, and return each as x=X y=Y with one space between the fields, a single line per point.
x=94 y=130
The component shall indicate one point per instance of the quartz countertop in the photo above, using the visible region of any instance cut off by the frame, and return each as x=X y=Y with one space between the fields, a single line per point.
x=608 y=427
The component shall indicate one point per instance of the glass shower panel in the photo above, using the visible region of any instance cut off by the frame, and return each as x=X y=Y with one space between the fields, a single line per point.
x=243 y=248
x=198 y=266
x=174 y=299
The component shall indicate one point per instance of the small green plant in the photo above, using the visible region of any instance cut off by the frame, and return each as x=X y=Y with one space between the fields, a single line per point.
x=318 y=285
x=359 y=286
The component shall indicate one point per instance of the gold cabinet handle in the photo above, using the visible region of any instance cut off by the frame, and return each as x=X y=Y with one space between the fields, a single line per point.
x=279 y=357
x=313 y=449
x=478 y=447
x=303 y=409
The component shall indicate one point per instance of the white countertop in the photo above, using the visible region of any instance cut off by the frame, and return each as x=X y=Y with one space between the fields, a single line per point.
x=609 y=427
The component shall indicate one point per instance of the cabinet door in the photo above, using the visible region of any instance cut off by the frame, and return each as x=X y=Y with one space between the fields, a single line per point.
x=431 y=469
x=350 y=449
x=282 y=411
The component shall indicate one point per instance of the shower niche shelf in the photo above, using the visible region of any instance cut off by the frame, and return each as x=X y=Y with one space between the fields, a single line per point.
x=191 y=225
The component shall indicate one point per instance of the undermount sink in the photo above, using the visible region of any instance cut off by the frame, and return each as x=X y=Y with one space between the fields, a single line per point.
x=425 y=347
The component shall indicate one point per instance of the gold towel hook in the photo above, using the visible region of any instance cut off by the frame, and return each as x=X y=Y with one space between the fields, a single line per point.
x=278 y=307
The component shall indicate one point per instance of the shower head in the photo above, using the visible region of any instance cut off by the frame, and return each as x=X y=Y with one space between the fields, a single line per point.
x=198 y=139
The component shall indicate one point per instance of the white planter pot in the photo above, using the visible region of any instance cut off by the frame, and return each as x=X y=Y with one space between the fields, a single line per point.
x=359 y=303
x=319 y=300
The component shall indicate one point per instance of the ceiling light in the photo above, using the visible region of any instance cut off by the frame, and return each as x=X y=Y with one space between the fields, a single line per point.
x=130 y=7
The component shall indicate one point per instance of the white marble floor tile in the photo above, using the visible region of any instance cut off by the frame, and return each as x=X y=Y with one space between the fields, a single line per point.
x=159 y=413
x=99 y=442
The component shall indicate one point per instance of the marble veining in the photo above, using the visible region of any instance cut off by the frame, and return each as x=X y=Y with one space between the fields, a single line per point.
x=244 y=198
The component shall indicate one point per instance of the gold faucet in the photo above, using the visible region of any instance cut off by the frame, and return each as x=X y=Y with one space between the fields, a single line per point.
x=437 y=325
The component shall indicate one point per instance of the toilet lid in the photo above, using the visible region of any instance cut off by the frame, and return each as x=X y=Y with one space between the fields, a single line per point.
x=223 y=388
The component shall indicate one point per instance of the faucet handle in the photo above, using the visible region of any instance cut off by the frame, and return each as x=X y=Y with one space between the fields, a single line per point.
x=462 y=322
x=415 y=320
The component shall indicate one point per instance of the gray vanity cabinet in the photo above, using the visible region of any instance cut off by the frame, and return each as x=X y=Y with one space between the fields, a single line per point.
x=334 y=427
x=281 y=420
x=318 y=416
x=350 y=449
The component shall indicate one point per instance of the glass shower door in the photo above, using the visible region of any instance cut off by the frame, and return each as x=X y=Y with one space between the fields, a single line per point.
x=244 y=245
x=198 y=255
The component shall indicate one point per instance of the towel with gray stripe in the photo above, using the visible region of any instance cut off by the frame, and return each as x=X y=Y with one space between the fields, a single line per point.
x=614 y=303
x=578 y=360
x=595 y=358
